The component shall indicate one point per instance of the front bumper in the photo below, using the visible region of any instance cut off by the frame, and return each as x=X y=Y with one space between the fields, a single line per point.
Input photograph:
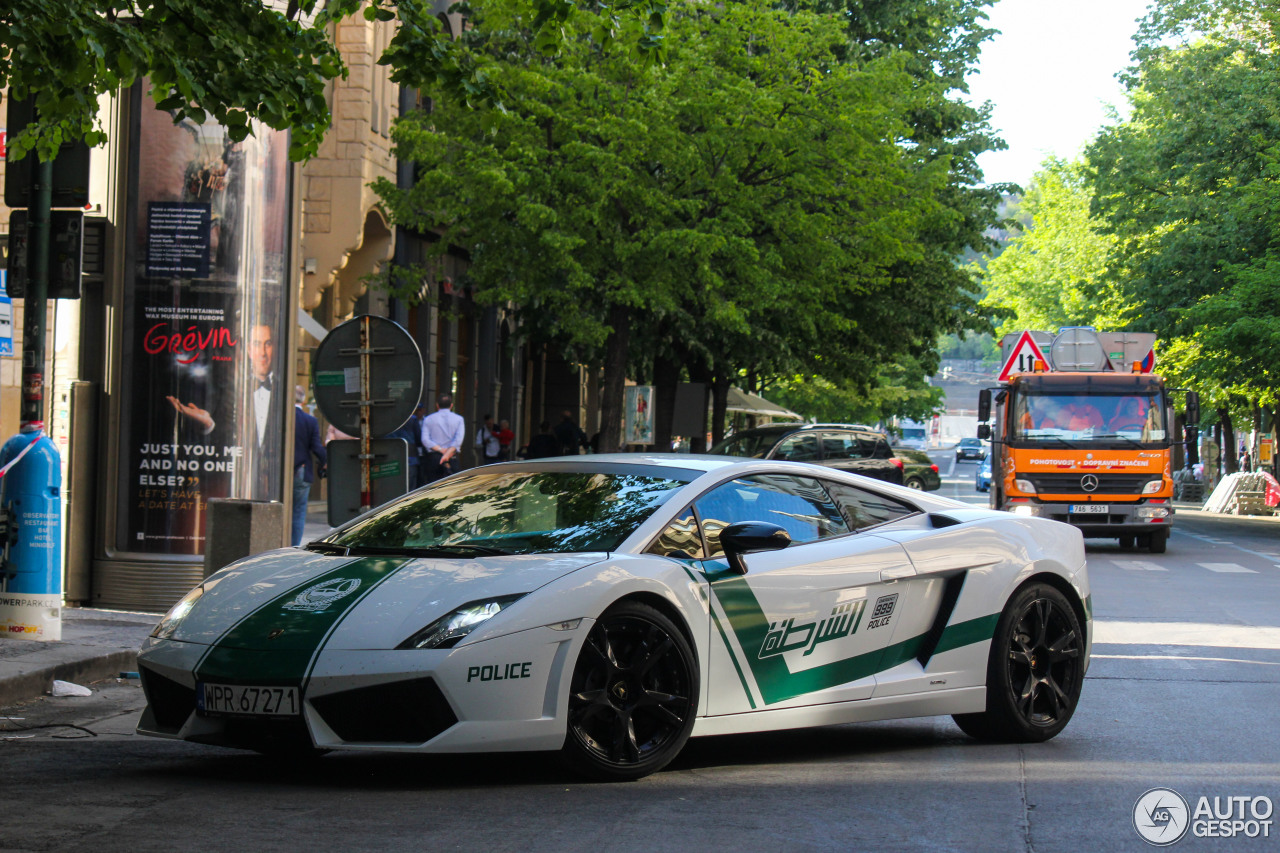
x=1121 y=519
x=506 y=693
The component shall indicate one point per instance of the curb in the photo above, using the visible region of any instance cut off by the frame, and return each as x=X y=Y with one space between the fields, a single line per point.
x=38 y=682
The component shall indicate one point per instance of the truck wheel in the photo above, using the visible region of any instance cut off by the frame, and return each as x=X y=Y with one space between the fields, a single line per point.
x=1158 y=543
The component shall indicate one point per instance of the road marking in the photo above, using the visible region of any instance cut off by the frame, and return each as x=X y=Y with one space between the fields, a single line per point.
x=1210 y=635
x=1139 y=566
x=1227 y=568
x=1182 y=657
x=1211 y=540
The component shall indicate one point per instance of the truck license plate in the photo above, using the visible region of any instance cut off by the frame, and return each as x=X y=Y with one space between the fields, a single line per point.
x=1090 y=509
x=248 y=700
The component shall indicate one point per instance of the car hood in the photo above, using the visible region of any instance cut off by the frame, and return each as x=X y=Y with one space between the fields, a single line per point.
x=293 y=600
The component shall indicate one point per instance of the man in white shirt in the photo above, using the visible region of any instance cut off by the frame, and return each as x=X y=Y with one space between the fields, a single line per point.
x=442 y=434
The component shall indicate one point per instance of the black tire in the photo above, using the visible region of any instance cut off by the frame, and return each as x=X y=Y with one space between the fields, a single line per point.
x=633 y=696
x=1158 y=543
x=1034 y=671
x=1126 y=542
x=915 y=483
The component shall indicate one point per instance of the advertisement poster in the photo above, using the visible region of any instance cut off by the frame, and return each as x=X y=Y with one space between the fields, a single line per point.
x=6 y=316
x=204 y=398
x=637 y=413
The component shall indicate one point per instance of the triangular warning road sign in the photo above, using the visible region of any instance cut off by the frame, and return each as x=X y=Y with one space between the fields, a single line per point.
x=1022 y=358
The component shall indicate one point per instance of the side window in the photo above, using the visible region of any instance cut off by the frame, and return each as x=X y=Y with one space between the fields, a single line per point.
x=874 y=447
x=802 y=447
x=865 y=508
x=797 y=504
x=680 y=538
x=840 y=445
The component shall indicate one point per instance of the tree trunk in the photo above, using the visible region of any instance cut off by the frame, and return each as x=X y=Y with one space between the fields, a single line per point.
x=699 y=373
x=1229 y=457
x=666 y=376
x=615 y=375
x=719 y=402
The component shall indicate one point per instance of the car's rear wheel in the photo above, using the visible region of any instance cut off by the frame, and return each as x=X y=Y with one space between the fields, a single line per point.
x=915 y=483
x=1034 y=670
x=633 y=696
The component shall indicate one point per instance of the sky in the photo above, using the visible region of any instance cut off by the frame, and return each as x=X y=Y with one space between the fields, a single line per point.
x=1050 y=75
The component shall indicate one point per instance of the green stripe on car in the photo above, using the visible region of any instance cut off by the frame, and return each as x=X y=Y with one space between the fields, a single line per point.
x=277 y=643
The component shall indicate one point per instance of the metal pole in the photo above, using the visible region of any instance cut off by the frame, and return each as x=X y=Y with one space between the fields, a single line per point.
x=33 y=324
x=366 y=449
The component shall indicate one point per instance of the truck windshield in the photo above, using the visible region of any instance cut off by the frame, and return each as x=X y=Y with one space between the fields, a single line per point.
x=1123 y=418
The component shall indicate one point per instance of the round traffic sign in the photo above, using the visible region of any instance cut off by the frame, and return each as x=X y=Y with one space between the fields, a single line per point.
x=395 y=375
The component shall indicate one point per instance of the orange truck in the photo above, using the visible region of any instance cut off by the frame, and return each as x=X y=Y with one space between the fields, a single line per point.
x=1081 y=431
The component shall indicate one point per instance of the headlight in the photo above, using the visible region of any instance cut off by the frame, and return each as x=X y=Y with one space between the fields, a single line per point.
x=165 y=628
x=1024 y=485
x=447 y=631
x=1152 y=487
x=1026 y=509
x=1152 y=512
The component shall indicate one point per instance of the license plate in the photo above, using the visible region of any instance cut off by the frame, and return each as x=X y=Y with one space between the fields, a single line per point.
x=247 y=700
x=1090 y=509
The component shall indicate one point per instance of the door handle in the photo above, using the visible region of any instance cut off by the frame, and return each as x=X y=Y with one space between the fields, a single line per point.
x=897 y=573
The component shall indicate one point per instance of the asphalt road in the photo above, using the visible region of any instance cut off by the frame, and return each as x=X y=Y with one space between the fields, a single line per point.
x=1183 y=693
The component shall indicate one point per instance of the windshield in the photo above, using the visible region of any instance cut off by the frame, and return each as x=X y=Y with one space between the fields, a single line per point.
x=512 y=512
x=1126 y=418
x=755 y=445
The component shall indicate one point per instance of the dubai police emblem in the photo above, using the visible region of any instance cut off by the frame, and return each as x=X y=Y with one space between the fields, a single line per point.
x=316 y=598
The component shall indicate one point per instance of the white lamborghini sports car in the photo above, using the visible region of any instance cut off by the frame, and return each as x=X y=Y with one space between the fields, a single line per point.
x=610 y=607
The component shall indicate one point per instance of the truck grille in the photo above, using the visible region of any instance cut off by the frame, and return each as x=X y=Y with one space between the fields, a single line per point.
x=1108 y=484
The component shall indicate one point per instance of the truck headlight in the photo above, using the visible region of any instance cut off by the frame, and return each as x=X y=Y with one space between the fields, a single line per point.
x=1152 y=487
x=1152 y=512
x=447 y=631
x=1024 y=485
x=1026 y=509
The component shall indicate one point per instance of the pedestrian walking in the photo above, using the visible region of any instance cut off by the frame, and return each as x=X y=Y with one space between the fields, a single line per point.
x=415 y=423
x=571 y=437
x=442 y=435
x=306 y=444
x=488 y=447
x=544 y=444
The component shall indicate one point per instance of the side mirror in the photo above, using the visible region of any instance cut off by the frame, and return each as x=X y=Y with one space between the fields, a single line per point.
x=984 y=432
x=746 y=537
x=1193 y=407
x=984 y=406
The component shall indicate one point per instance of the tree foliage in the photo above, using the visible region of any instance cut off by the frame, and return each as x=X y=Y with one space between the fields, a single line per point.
x=758 y=201
x=1049 y=274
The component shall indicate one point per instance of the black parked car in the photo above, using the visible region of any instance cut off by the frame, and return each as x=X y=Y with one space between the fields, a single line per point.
x=918 y=470
x=849 y=447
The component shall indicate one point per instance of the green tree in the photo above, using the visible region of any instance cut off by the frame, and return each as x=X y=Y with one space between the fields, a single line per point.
x=1048 y=275
x=747 y=196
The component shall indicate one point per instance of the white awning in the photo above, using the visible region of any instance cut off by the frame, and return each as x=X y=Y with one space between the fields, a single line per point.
x=754 y=404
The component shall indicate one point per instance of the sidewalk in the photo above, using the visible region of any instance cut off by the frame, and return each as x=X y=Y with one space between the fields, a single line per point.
x=95 y=644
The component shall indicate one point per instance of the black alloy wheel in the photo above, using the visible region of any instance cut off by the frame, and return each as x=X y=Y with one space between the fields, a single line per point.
x=1034 y=672
x=633 y=696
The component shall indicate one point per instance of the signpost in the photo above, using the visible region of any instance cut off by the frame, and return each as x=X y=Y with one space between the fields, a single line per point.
x=368 y=378
x=1022 y=357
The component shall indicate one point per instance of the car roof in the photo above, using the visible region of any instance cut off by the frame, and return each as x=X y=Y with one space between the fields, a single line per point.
x=769 y=429
x=701 y=463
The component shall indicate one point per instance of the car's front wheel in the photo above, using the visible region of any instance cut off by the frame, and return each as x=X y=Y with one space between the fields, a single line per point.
x=915 y=483
x=633 y=696
x=1034 y=670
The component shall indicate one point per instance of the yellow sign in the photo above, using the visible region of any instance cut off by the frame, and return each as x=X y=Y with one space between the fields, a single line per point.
x=1266 y=447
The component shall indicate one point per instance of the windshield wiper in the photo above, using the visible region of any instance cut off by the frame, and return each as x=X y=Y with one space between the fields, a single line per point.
x=428 y=550
x=327 y=548
x=1053 y=438
x=1119 y=437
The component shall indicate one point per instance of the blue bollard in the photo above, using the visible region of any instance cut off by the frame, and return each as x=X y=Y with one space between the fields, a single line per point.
x=31 y=575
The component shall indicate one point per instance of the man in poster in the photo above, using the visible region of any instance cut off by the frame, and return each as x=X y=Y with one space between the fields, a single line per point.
x=266 y=413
